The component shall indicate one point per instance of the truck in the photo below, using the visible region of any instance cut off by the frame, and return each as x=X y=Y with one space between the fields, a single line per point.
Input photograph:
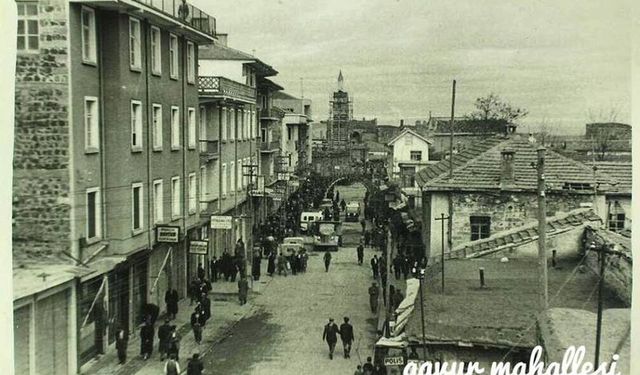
x=327 y=235
x=307 y=218
x=352 y=212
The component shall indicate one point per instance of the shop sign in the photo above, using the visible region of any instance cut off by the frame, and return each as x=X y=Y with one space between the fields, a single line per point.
x=394 y=361
x=199 y=247
x=167 y=234
x=221 y=222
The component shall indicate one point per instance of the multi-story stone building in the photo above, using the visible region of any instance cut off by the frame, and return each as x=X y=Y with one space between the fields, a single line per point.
x=295 y=138
x=105 y=157
x=230 y=141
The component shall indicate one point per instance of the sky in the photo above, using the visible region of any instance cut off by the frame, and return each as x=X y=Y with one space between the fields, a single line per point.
x=567 y=62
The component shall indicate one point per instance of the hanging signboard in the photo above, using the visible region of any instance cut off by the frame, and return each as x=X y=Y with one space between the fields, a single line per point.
x=199 y=247
x=167 y=234
x=221 y=222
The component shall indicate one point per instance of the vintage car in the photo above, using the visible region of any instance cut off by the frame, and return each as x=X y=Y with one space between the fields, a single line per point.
x=306 y=218
x=327 y=235
x=352 y=212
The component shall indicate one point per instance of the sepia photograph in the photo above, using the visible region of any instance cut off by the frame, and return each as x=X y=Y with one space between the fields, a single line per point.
x=284 y=187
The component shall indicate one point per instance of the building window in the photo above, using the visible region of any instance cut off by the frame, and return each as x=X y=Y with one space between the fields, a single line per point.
x=176 y=203
x=136 y=125
x=232 y=177
x=224 y=179
x=203 y=185
x=156 y=118
x=88 y=16
x=223 y=123
x=28 y=33
x=416 y=155
x=175 y=128
x=156 y=50
x=158 y=202
x=617 y=217
x=191 y=63
x=289 y=133
x=94 y=214
x=232 y=123
x=173 y=56
x=135 y=50
x=480 y=227
x=191 y=117
x=203 y=129
x=192 y=193
x=136 y=207
x=91 y=124
x=239 y=175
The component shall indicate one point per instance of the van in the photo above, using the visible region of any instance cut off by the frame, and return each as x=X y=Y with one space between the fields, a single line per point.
x=308 y=217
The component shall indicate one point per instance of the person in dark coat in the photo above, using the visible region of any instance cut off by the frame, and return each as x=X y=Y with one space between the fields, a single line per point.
x=164 y=331
x=367 y=238
x=373 y=297
x=271 y=267
x=346 y=334
x=326 y=214
x=174 y=343
x=214 y=267
x=243 y=290
x=368 y=367
x=194 y=289
x=197 y=321
x=256 y=265
x=195 y=366
x=201 y=272
x=205 y=305
x=122 y=340
x=150 y=313
x=397 y=266
x=374 y=266
x=171 y=299
x=343 y=205
x=330 y=335
x=360 y=251
x=406 y=266
x=379 y=369
x=327 y=260
x=146 y=339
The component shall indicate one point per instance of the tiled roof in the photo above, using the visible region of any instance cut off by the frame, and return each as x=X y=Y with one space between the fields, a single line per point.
x=620 y=171
x=503 y=313
x=526 y=233
x=483 y=170
x=442 y=168
x=408 y=131
x=623 y=243
x=220 y=52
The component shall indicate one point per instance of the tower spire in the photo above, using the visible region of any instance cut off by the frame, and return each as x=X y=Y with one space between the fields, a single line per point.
x=340 y=81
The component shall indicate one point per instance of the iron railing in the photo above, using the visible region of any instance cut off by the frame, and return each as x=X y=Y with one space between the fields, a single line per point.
x=221 y=86
x=269 y=146
x=185 y=13
x=209 y=148
x=269 y=113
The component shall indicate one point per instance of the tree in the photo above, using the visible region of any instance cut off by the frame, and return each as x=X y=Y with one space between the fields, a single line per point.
x=492 y=107
x=603 y=138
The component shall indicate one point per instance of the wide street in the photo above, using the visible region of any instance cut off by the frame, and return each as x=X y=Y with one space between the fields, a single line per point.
x=283 y=335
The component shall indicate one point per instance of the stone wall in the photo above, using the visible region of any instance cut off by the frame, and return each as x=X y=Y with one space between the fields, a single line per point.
x=41 y=142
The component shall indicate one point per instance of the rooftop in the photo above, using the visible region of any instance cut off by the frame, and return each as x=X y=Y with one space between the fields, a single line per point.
x=480 y=169
x=465 y=125
x=620 y=171
x=503 y=313
x=408 y=131
x=219 y=51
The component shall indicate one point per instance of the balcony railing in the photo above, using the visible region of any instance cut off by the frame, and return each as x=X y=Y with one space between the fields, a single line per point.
x=269 y=146
x=209 y=148
x=185 y=13
x=270 y=113
x=224 y=87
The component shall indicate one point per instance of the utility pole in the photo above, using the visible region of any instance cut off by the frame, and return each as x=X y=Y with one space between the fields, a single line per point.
x=542 y=233
x=442 y=219
x=453 y=107
x=248 y=170
x=390 y=245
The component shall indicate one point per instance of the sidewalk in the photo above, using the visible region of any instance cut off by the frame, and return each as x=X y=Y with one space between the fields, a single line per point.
x=226 y=312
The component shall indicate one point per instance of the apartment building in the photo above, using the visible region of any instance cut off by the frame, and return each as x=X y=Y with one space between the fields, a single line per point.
x=230 y=143
x=295 y=134
x=106 y=169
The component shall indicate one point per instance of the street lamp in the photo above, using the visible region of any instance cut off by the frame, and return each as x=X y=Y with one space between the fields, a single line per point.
x=420 y=275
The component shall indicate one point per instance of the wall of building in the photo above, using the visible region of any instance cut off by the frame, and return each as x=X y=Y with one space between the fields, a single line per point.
x=231 y=69
x=402 y=147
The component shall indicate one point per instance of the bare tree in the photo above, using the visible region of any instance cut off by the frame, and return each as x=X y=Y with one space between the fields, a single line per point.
x=492 y=107
x=602 y=138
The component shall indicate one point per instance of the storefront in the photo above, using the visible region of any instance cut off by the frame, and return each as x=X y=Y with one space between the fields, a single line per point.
x=198 y=254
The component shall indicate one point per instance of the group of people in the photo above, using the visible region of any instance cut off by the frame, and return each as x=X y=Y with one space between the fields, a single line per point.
x=294 y=261
x=228 y=266
x=331 y=333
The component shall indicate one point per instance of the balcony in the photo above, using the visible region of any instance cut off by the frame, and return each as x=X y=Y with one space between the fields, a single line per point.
x=270 y=114
x=209 y=149
x=224 y=88
x=269 y=146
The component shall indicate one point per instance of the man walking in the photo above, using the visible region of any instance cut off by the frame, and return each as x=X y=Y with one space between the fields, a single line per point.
x=205 y=304
x=360 y=251
x=363 y=224
x=346 y=334
x=196 y=325
x=171 y=300
x=195 y=366
x=164 y=331
x=374 y=266
x=172 y=367
x=214 y=266
x=330 y=335
x=146 y=339
x=243 y=290
x=373 y=297
x=327 y=260
x=122 y=339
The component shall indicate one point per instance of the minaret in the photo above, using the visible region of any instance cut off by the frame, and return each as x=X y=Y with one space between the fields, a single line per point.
x=340 y=82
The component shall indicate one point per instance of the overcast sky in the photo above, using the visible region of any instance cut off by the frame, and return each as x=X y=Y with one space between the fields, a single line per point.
x=560 y=59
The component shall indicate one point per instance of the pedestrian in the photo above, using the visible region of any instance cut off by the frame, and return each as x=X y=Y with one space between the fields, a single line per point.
x=367 y=238
x=174 y=344
x=195 y=366
x=171 y=300
x=146 y=339
x=374 y=266
x=271 y=267
x=201 y=273
x=373 y=297
x=282 y=267
x=214 y=267
x=337 y=196
x=330 y=335
x=363 y=224
x=194 y=287
x=343 y=205
x=367 y=368
x=358 y=370
x=197 y=321
x=305 y=258
x=239 y=247
x=256 y=265
x=164 y=332
x=397 y=266
x=327 y=260
x=379 y=369
x=226 y=265
x=346 y=335
x=360 y=251
x=172 y=367
x=150 y=313
x=122 y=340
x=205 y=305
x=243 y=290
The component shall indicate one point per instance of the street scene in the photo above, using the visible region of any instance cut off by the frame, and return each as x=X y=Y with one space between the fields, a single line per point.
x=303 y=188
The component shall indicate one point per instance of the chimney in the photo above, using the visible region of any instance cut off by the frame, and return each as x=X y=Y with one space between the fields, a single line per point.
x=507 y=169
x=222 y=39
x=401 y=123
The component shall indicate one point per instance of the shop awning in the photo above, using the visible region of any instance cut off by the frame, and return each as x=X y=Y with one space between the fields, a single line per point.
x=103 y=265
x=404 y=310
x=397 y=342
x=34 y=278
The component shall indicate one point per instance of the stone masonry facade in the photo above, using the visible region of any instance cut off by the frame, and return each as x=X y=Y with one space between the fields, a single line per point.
x=41 y=206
